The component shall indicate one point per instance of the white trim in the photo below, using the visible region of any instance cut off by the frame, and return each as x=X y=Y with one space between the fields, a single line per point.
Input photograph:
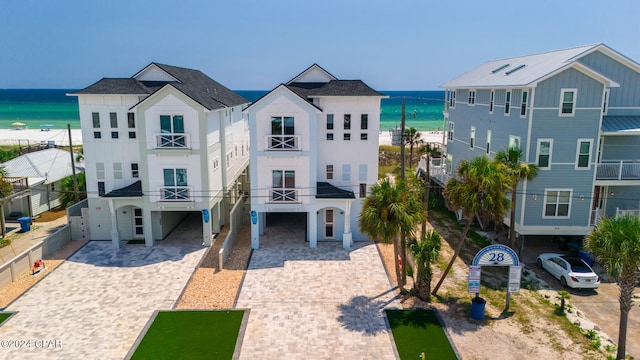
x=524 y=102
x=581 y=140
x=488 y=148
x=605 y=101
x=492 y=101
x=452 y=99
x=544 y=204
x=451 y=133
x=471 y=97
x=625 y=107
x=472 y=138
x=550 y=141
x=507 y=109
x=573 y=102
x=514 y=137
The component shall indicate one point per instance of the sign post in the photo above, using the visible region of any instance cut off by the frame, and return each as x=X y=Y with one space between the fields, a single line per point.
x=498 y=255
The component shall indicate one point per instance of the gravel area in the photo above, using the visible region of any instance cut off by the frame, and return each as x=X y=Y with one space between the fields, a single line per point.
x=26 y=280
x=210 y=288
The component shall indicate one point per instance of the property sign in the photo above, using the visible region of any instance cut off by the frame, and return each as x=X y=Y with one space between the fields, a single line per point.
x=515 y=272
x=474 y=279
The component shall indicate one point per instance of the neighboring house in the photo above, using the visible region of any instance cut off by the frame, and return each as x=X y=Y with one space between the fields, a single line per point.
x=167 y=142
x=43 y=171
x=314 y=155
x=575 y=113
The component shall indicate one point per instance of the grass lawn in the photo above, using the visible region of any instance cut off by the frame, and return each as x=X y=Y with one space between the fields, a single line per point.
x=4 y=316
x=418 y=331
x=191 y=335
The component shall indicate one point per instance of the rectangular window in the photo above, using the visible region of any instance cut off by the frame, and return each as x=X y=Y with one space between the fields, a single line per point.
x=117 y=171
x=488 y=141
x=363 y=190
x=132 y=134
x=284 y=179
x=347 y=136
x=452 y=99
x=364 y=136
x=135 y=173
x=101 y=188
x=362 y=172
x=472 y=97
x=175 y=182
x=347 y=121
x=114 y=120
x=544 y=153
x=100 y=171
x=491 y=100
x=97 y=135
x=172 y=124
x=567 y=102
x=583 y=154
x=329 y=172
x=557 y=203
x=215 y=164
x=472 y=137
x=452 y=127
x=507 y=102
x=114 y=134
x=514 y=141
x=605 y=102
x=329 y=121
x=364 y=121
x=131 y=120
x=96 y=120
x=346 y=172
x=523 y=104
x=329 y=136
x=282 y=131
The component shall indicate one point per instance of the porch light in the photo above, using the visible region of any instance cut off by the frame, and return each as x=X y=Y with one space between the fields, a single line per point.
x=534 y=197
x=581 y=197
x=612 y=193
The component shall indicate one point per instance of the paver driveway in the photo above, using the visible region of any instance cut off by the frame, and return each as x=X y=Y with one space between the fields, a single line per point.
x=95 y=304
x=324 y=303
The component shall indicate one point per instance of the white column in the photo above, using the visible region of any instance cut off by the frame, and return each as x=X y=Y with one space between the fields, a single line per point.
x=115 y=236
x=312 y=229
x=347 y=237
x=206 y=230
x=256 y=223
x=147 y=228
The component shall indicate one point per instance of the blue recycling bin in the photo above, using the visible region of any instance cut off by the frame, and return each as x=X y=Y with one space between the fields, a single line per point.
x=25 y=223
x=477 y=308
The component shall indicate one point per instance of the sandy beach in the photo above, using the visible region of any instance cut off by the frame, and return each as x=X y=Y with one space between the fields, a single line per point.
x=36 y=136
x=61 y=137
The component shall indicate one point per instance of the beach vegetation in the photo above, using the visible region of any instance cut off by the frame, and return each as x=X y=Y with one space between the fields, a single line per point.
x=5 y=186
x=425 y=252
x=615 y=242
x=68 y=196
x=518 y=171
x=478 y=191
x=413 y=138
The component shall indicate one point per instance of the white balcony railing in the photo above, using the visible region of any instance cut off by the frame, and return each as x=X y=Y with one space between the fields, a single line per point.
x=618 y=170
x=284 y=195
x=628 y=212
x=283 y=142
x=172 y=141
x=437 y=169
x=175 y=193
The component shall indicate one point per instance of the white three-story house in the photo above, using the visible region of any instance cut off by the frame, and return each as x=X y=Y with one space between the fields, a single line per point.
x=575 y=113
x=314 y=154
x=167 y=142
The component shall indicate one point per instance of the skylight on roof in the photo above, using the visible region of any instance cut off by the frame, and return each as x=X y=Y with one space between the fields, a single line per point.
x=500 y=68
x=515 y=69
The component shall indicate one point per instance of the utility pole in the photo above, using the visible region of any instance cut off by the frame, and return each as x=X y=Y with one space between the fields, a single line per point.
x=403 y=241
x=73 y=165
x=402 y=148
x=427 y=188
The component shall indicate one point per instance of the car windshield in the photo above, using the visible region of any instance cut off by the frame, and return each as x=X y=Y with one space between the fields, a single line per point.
x=577 y=265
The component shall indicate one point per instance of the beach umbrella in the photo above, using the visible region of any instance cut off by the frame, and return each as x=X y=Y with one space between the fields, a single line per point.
x=17 y=123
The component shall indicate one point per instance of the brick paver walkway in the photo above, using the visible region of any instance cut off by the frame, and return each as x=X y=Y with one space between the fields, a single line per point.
x=95 y=304
x=324 y=303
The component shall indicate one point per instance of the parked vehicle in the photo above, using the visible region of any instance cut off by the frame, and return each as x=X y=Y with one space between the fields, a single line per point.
x=570 y=270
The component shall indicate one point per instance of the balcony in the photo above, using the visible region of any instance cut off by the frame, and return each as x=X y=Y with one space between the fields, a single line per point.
x=284 y=196
x=618 y=170
x=175 y=193
x=283 y=143
x=437 y=169
x=172 y=141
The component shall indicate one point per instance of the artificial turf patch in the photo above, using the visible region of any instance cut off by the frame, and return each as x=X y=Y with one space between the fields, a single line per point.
x=191 y=335
x=419 y=331
x=4 y=316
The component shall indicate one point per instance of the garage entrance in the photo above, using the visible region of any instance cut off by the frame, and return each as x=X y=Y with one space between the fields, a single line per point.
x=285 y=227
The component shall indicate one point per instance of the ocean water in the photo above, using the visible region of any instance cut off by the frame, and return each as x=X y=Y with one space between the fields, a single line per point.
x=38 y=108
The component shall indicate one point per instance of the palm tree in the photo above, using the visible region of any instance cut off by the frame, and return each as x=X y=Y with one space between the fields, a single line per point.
x=390 y=212
x=616 y=244
x=68 y=196
x=478 y=191
x=518 y=171
x=413 y=138
x=424 y=253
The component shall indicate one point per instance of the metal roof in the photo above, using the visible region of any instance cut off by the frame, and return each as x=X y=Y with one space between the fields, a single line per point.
x=523 y=70
x=49 y=165
x=621 y=125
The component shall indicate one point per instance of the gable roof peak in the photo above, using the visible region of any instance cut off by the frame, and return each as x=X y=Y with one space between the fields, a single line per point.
x=314 y=73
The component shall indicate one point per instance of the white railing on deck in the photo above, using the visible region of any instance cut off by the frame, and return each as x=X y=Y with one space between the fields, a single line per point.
x=172 y=141
x=283 y=142
x=618 y=170
x=437 y=169
x=284 y=195
x=629 y=212
x=175 y=193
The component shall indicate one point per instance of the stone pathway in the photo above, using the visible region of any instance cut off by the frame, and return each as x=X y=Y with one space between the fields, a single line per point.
x=95 y=304
x=324 y=303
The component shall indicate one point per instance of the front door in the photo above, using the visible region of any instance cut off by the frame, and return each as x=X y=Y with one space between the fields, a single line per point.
x=138 y=229
x=328 y=224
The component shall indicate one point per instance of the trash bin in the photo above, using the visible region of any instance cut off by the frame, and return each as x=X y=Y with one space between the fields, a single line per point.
x=477 y=308
x=25 y=223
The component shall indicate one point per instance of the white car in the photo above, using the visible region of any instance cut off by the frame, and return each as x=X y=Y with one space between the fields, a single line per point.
x=570 y=270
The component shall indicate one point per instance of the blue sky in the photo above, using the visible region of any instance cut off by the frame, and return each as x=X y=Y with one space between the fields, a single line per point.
x=257 y=44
